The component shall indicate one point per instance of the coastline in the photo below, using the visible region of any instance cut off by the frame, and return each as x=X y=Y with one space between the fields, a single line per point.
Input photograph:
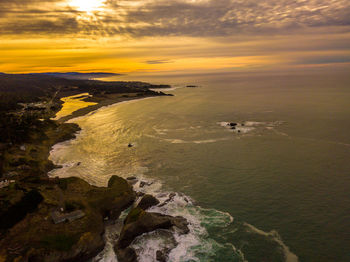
x=158 y=211
x=137 y=220
x=103 y=102
x=31 y=233
x=179 y=205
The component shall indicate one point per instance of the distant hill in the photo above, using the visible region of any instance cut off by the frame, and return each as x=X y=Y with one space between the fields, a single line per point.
x=77 y=75
x=16 y=88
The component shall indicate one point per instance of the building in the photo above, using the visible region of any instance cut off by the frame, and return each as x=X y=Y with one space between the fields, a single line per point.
x=58 y=217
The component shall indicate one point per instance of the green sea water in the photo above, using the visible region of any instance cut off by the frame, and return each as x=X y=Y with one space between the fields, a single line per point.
x=278 y=190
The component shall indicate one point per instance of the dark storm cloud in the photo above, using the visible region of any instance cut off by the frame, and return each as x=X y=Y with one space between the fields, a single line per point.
x=177 y=17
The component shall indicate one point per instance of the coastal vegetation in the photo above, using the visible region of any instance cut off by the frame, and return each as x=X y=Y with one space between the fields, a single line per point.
x=30 y=198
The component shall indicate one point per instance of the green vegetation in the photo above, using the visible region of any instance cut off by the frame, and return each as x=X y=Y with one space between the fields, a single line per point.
x=59 y=242
x=27 y=102
x=19 y=210
x=73 y=205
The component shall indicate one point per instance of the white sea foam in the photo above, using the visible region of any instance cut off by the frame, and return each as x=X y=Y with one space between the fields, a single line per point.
x=166 y=89
x=209 y=140
x=181 y=141
x=252 y=127
x=190 y=245
x=289 y=256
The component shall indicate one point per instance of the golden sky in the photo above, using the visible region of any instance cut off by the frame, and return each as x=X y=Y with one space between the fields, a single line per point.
x=132 y=36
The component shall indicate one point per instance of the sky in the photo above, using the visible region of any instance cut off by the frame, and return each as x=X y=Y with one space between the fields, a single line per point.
x=158 y=36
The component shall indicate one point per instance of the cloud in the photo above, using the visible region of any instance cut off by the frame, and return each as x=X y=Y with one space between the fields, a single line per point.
x=202 y=18
x=127 y=35
x=319 y=60
x=156 y=62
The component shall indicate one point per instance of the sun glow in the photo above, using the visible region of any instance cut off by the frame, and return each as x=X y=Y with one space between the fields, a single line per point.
x=86 y=5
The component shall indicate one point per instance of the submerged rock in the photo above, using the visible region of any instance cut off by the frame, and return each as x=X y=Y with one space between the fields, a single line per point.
x=140 y=194
x=170 y=198
x=143 y=183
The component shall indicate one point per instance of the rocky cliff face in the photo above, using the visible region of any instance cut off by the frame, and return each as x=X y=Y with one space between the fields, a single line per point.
x=37 y=238
x=139 y=222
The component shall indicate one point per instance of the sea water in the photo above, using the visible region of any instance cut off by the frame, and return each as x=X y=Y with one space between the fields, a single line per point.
x=275 y=188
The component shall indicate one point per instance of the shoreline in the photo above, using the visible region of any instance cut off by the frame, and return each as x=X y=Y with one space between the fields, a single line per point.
x=175 y=198
x=92 y=243
x=138 y=220
x=29 y=202
x=103 y=102
x=72 y=117
x=86 y=111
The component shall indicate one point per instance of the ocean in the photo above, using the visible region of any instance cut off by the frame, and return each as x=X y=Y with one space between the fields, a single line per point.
x=275 y=188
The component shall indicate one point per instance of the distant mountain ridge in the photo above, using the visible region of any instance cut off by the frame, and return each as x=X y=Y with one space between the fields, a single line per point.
x=71 y=75
x=78 y=75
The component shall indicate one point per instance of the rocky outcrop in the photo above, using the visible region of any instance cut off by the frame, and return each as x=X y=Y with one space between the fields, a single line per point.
x=37 y=238
x=139 y=222
x=148 y=201
x=162 y=255
x=126 y=255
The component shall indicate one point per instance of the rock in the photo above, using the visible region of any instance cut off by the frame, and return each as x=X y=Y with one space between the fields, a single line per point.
x=140 y=194
x=126 y=255
x=171 y=197
x=232 y=124
x=143 y=183
x=182 y=224
x=132 y=180
x=139 y=222
x=161 y=256
x=148 y=201
x=78 y=240
x=130 y=145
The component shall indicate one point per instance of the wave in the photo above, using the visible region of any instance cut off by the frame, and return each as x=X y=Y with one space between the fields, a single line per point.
x=248 y=127
x=200 y=244
x=166 y=89
x=289 y=256
x=181 y=141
